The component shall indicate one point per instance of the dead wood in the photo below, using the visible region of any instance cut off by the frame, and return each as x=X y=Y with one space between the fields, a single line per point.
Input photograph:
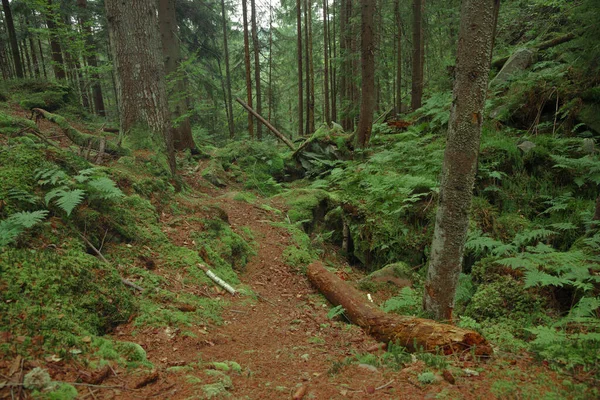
x=148 y=379
x=83 y=140
x=267 y=124
x=499 y=63
x=411 y=332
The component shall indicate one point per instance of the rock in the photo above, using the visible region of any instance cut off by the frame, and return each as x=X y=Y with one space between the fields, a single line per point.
x=397 y=274
x=588 y=146
x=215 y=174
x=519 y=61
x=526 y=146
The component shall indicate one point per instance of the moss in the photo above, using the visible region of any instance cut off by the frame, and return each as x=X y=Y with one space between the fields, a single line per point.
x=49 y=101
x=502 y=298
x=60 y=391
x=136 y=219
x=62 y=295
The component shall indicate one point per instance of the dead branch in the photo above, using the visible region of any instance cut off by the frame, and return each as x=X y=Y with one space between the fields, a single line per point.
x=267 y=124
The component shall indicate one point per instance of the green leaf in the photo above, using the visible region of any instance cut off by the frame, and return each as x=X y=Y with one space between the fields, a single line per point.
x=68 y=200
x=335 y=311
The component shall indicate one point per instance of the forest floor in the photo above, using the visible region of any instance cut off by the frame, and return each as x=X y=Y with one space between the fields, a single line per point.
x=284 y=343
x=278 y=342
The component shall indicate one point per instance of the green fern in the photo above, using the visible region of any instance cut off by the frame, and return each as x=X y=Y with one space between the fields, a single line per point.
x=51 y=176
x=14 y=225
x=406 y=300
x=106 y=188
x=19 y=195
x=66 y=199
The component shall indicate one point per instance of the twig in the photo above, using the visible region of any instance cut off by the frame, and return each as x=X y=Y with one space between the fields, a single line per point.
x=123 y=280
x=384 y=386
x=20 y=380
x=92 y=393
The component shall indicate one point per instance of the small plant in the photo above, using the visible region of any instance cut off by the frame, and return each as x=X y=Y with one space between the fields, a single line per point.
x=335 y=311
x=426 y=378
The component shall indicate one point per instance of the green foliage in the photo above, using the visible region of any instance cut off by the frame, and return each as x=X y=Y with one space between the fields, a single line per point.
x=406 y=303
x=14 y=225
x=61 y=296
x=335 y=311
x=426 y=378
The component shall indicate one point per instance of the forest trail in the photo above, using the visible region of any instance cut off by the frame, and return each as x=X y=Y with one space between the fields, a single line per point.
x=282 y=341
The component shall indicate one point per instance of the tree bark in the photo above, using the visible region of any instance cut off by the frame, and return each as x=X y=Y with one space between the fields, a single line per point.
x=417 y=61
x=311 y=72
x=256 y=66
x=12 y=36
x=365 y=123
x=411 y=332
x=230 y=123
x=326 y=65
x=140 y=71
x=182 y=134
x=398 y=104
x=91 y=59
x=56 y=50
x=299 y=53
x=247 y=64
x=460 y=157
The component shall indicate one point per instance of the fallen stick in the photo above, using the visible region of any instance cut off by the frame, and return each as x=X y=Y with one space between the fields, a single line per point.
x=101 y=257
x=411 y=332
x=267 y=124
x=81 y=139
x=217 y=280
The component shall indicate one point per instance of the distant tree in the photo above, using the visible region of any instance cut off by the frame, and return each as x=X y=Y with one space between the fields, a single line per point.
x=230 y=124
x=140 y=71
x=398 y=26
x=12 y=35
x=418 y=55
x=299 y=59
x=247 y=64
x=367 y=103
x=460 y=157
x=326 y=64
x=56 y=49
x=182 y=134
x=91 y=57
x=256 y=47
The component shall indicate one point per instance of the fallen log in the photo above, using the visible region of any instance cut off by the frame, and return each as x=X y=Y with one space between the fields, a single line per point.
x=499 y=62
x=82 y=139
x=411 y=332
x=267 y=124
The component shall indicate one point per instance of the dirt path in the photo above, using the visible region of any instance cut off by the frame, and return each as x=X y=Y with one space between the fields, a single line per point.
x=281 y=342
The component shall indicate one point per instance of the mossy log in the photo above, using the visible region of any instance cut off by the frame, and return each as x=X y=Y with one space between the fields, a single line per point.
x=499 y=63
x=412 y=332
x=82 y=139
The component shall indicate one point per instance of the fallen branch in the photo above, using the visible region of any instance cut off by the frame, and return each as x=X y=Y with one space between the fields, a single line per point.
x=267 y=124
x=411 y=332
x=217 y=280
x=83 y=140
x=499 y=63
x=100 y=256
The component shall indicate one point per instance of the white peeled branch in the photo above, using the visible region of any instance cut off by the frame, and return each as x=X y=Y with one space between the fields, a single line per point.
x=217 y=280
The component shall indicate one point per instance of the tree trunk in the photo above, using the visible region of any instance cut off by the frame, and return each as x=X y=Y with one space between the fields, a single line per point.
x=12 y=36
x=27 y=57
x=230 y=123
x=42 y=59
x=307 y=70
x=56 y=50
x=365 y=123
x=36 y=65
x=311 y=73
x=398 y=104
x=270 y=84
x=140 y=72
x=460 y=157
x=247 y=63
x=182 y=134
x=299 y=52
x=411 y=332
x=326 y=65
x=256 y=67
x=91 y=58
x=267 y=124
x=333 y=67
x=417 y=60
x=344 y=67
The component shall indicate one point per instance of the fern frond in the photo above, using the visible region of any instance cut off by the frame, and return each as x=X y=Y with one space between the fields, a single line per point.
x=66 y=200
x=14 y=225
x=106 y=188
x=22 y=196
x=51 y=176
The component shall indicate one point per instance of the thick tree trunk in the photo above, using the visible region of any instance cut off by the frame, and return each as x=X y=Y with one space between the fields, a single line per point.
x=365 y=123
x=247 y=64
x=417 y=59
x=256 y=47
x=299 y=53
x=230 y=123
x=398 y=104
x=412 y=332
x=326 y=64
x=12 y=36
x=182 y=134
x=306 y=68
x=36 y=65
x=345 y=68
x=91 y=59
x=332 y=66
x=139 y=68
x=56 y=50
x=460 y=157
